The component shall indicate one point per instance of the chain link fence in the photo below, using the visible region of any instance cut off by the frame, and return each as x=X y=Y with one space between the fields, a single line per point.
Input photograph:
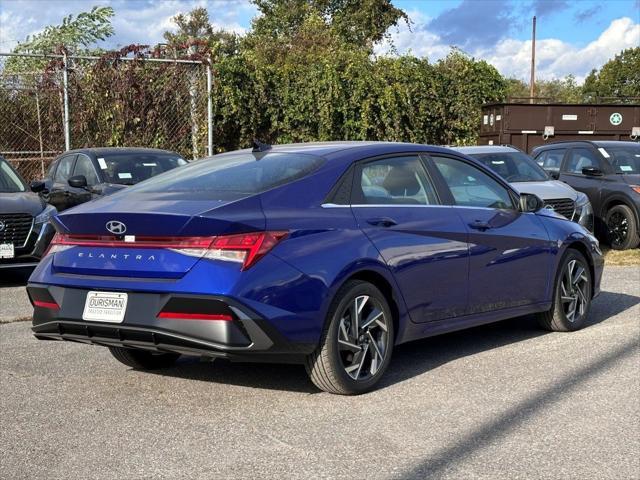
x=53 y=103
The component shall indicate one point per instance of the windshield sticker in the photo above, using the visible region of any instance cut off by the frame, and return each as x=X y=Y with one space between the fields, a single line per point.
x=149 y=164
x=497 y=162
x=626 y=168
x=102 y=163
x=604 y=153
x=124 y=175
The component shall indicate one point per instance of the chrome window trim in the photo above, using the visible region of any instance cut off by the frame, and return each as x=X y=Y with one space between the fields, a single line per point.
x=386 y=205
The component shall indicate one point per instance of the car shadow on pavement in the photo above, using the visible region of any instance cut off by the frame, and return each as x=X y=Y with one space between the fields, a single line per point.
x=409 y=360
x=15 y=277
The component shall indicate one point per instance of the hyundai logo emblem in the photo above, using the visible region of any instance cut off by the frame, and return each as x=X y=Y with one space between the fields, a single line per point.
x=116 y=227
x=2 y=226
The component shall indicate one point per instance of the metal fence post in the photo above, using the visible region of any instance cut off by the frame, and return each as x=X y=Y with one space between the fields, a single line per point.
x=65 y=81
x=209 y=110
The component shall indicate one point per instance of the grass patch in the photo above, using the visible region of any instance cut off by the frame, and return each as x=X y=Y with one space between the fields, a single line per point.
x=621 y=257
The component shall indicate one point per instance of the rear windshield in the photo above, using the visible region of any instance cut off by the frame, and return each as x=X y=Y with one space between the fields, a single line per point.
x=132 y=168
x=625 y=159
x=232 y=176
x=10 y=182
x=512 y=166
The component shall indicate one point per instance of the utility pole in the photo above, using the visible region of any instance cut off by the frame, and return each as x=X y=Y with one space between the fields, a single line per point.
x=532 y=82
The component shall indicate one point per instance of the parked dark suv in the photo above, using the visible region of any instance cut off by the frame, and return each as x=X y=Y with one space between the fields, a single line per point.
x=25 y=231
x=609 y=173
x=78 y=176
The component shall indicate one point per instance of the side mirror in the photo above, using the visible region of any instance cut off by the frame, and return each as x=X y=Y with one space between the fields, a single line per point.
x=592 y=172
x=555 y=174
x=37 y=186
x=78 y=181
x=530 y=203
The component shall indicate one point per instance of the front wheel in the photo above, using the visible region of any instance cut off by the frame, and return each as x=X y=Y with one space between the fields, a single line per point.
x=356 y=345
x=622 y=228
x=572 y=296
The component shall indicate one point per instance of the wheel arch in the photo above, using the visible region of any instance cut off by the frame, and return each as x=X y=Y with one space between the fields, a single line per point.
x=380 y=277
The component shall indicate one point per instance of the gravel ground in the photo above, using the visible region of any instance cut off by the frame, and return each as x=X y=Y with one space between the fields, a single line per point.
x=503 y=401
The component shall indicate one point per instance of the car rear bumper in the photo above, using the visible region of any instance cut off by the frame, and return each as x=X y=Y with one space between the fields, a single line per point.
x=246 y=336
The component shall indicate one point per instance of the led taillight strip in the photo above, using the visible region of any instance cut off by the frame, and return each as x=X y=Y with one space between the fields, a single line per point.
x=49 y=305
x=195 y=316
x=245 y=248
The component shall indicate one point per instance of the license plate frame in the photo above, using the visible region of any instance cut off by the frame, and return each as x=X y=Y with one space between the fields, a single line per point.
x=105 y=307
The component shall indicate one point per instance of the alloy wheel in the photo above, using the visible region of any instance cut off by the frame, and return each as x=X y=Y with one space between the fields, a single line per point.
x=574 y=290
x=363 y=337
x=618 y=228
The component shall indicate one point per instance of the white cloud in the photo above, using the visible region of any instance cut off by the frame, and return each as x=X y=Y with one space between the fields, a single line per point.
x=554 y=58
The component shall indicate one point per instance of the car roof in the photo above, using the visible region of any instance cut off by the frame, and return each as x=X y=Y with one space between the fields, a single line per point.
x=330 y=149
x=597 y=143
x=112 y=150
x=485 y=149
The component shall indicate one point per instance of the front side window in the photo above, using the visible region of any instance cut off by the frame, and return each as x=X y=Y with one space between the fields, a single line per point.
x=395 y=181
x=512 y=166
x=233 y=176
x=580 y=158
x=84 y=167
x=131 y=168
x=10 y=182
x=470 y=186
x=63 y=172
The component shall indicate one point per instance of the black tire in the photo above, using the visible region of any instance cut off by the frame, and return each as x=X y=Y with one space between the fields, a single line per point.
x=327 y=366
x=143 y=360
x=622 y=228
x=557 y=319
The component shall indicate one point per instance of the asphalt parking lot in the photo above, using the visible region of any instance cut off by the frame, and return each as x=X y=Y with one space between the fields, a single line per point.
x=500 y=401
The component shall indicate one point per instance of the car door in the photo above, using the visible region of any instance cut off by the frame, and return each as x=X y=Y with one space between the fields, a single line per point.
x=422 y=241
x=509 y=251
x=59 y=191
x=84 y=166
x=571 y=173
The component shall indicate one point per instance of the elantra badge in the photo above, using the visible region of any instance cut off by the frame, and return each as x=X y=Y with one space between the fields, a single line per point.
x=116 y=227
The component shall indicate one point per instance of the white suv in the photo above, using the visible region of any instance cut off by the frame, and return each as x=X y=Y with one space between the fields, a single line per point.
x=526 y=176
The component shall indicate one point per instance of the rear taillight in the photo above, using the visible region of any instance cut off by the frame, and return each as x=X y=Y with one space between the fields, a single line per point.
x=245 y=248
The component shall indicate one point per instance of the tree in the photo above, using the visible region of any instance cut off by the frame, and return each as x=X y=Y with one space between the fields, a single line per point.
x=619 y=77
x=75 y=34
x=359 y=23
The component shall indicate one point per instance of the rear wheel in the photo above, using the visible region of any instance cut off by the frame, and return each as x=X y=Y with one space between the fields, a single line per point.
x=356 y=345
x=622 y=229
x=572 y=297
x=143 y=360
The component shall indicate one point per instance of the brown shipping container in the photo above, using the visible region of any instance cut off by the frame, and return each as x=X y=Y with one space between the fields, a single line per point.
x=523 y=125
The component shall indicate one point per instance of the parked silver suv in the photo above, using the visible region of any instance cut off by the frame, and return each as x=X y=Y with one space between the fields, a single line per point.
x=519 y=169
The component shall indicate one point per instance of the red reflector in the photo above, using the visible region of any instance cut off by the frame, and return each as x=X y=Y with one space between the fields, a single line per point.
x=195 y=316
x=41 y=304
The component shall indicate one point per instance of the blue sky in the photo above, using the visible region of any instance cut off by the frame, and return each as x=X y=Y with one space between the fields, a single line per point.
x=573 y=36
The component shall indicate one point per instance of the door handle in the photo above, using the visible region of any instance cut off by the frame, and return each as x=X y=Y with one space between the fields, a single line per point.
x=480 y=225
x=382 y=222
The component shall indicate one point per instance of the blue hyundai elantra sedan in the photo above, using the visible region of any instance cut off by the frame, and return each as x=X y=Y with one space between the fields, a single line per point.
x=326 y=254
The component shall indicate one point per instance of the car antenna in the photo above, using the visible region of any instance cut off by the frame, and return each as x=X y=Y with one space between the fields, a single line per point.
x=259 y=146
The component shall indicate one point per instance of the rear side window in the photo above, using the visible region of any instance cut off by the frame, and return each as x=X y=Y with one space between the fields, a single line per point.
x=470 y=186
x=232 y=176
x=395 y=181
x=132 y=168
x=63 y=172
x=551 y=159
